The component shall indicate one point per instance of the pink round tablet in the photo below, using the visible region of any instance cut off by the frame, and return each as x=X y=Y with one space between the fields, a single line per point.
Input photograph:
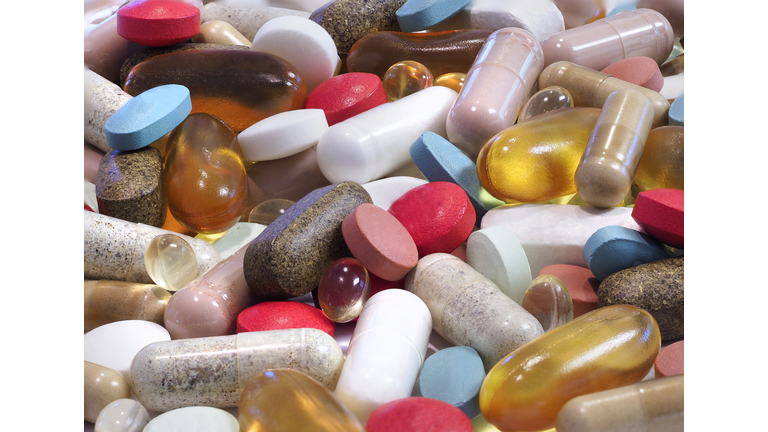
x=418 y=414
x=660 y=213
x=580 y=283
x=670 y=361
x=380 y=242
x=347 y=95
x=438 y=215
x=278 y=315
x=158 y=23
x=642 y=71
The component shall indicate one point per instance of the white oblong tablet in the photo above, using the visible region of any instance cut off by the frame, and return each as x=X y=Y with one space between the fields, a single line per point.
x=282 y=135
x=194 y=419
x=114 y=345
x=385 y=191
x=496 y=253
x=303 y=43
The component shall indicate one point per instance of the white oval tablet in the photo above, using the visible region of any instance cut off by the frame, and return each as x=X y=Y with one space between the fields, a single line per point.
x=194 y=419
x=115 y=344
x=496 y=253
x=282 y=135
x=385 y=191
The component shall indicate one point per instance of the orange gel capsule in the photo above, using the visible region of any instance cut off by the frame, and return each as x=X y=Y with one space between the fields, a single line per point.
x=205 y=179
x=537 y=159
x=240 y=87
x=661 y=166
x=610 y=347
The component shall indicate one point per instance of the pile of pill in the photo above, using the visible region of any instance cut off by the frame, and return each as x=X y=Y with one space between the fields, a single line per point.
x=383 y=215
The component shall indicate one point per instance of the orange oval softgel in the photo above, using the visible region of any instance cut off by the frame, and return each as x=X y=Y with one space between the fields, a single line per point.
x=610 y=347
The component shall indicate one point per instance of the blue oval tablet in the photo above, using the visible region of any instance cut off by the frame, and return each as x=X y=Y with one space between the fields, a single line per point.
x=147 y=117
x=415 y=15
x=614 y=248
x=454 y=375
x=676 y=111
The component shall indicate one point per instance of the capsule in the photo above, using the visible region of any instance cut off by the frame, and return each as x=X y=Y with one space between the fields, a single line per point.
x=607 y=348
x=649 y=406
x=213 y=371
x=663 y=162
x=109 y=301
x=635 y=33
x=103 y=386
x=607 y=168
x=468 y=309
x=591 y=88
x=102 y=99
x=386 y=352
x=497 y=85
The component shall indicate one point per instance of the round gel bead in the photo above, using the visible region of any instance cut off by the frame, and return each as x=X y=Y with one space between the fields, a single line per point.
x=548 y=300
x=453 y=80
x=547 y=99
x=122 y=415
x=344 y=288
x=405 y=78
x=158 y=23
x=266 y=212
x=170 y=261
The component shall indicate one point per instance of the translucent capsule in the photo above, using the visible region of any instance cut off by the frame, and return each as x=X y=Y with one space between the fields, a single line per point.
x=205 y=179
x=453 y=80
x=537 y=159
x=343 y=290
x=266 y=212
x=607 y=348
x=170 y=261
x=109 y=301
x=276 y=400
x=548 y=300
x=545 y=100
x=661 y=166
x=405 y=78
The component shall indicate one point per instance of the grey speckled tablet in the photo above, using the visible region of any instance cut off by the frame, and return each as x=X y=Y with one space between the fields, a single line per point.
x=129 y=186
x=657 y=287
x=289 y=257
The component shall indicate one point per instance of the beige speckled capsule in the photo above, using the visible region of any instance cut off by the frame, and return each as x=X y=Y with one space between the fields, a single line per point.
x=469 y=309
x=102 y=99
x=213 y=371
x=114 y=249
x=108 y=301
x=102 y=386
x=220 y=32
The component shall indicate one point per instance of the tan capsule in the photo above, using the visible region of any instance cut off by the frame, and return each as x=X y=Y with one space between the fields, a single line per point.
x=109 y=301
x=102 y=386
x=607 y=168
x=220 y=32
x=649 y=406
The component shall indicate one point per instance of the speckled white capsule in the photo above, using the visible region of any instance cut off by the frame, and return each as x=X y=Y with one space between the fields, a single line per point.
x=102 y=99
x=469 y=309
x=213 y=371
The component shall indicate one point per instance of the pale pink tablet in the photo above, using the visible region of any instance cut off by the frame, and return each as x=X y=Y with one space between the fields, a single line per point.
x=642 y=71
x=670 y=361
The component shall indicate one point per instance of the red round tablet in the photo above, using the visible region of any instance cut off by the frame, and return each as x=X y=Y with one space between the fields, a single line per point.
x=278 y=315
x=660 y=212
x=580 y=283
x=438 y=215
x=347 y=95
x=158 y=23
x=418 y=414
x=642 y=71
x=670 y=361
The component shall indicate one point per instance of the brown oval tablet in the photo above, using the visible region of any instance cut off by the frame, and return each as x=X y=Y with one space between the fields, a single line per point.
x=669 y=361
x=581 y=284
x=380 y=242
x=642 y=71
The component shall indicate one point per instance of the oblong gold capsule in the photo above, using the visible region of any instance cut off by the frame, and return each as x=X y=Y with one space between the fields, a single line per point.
x=607 y=348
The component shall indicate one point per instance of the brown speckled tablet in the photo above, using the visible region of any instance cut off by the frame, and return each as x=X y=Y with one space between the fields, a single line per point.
x=380 y=242
x=670 y=361
x=289 y=257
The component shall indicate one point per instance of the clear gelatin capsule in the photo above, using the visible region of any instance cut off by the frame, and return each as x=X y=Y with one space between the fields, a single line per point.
x=170 y=261
x=266 y=212
x=548 y=300
x=545 y=100
x=452 y=80
x=405 y=78
x=610 y=347
x=343 y=290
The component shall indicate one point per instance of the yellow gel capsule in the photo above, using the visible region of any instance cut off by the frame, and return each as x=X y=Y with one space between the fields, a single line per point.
x=661 y=166
x=536 y=160
x=288 y=400
x=610 y=347
x=452 y=80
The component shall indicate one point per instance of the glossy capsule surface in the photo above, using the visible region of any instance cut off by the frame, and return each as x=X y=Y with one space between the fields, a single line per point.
x=548 y=300
x=240 y=87
x=545 y=100
x=406 y=78
x=343 y=290
x=662 y=164
x=607 y=348
x=536 y=160
x=107 y=301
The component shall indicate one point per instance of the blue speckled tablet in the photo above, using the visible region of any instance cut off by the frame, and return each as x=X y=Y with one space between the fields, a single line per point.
x=676 y=111
x=439 y=160
x=454 y=375
x=614 y=248
x=147 y=117
x=415 y=15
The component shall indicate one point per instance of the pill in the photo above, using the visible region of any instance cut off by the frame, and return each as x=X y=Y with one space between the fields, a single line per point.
x=469 y=310
x=129 y=186
x=249 y=85
x=246 y=20
x=454 y=375
x=580 y=283
x=545 y=100
x=656 y=405
x=642 y=71
x=674 y=87
x=660 y=213
x=269 y=210
x=104 y=50
x=499 y=82
x=220 y=32
x=103 y=386
x=440 y=52
x=113 y=345
x=212 y=371
x=385 y=191
x=405 y=78
x=283 y=315
x=496 y=253
x=677 y=111
x=415 y=15
x=289 y=257
x=283 y=134
x=122 y=415
x=657 y=287
x=414 y=414
x=386 y=352
x=110 y=301
x=662 y=164
x=548 y=300
x=346 y=95
x=673 y=10
x=234 y=238
x=102 y=99
x=452 y=80
x=376 y=142
x=194 y=418
x=591 y=88
x=607 y=167
x=276 y=400
x=437 y=215
x=302 y=43
x=613 y=248
x=170 y=261
x=670 y=361
x=579 y=12
x=158 y=22
x=526 y=389
x=343 y=290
